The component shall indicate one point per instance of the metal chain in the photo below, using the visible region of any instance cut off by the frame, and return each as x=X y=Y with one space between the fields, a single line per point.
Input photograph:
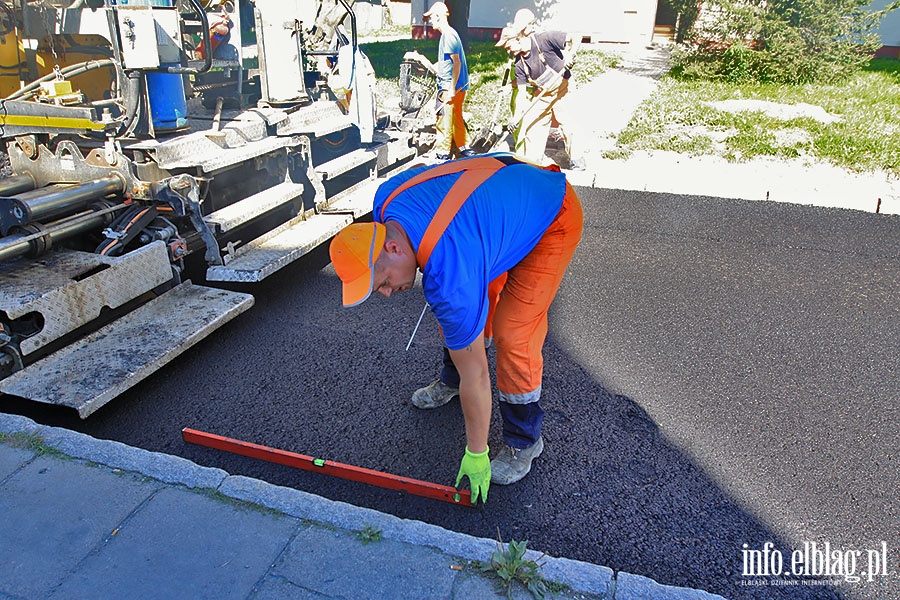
x=48 y=13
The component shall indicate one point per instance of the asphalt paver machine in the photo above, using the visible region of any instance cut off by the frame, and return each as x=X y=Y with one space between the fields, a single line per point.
x=160 y=151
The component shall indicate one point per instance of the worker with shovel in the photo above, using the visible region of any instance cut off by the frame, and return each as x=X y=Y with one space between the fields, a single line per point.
x=542 y=60
x=452 y=74
x=464 y=223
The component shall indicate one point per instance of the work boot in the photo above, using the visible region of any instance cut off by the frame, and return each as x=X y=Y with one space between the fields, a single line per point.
x=512 y=464
x=576 y=164
x=433 y=395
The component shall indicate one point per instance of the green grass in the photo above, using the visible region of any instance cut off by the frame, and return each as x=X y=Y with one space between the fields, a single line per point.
x=397 y=30
x=33 y=442
x=676 y=117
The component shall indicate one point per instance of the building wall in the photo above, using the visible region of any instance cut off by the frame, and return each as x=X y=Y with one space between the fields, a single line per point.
x=889 y=30
x=400 y=12
x=371 y=15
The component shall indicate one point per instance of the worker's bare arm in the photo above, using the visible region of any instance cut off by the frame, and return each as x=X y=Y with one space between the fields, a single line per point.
x=474 y=392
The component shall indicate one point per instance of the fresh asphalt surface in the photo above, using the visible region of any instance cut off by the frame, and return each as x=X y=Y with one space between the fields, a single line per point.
x=718 y=373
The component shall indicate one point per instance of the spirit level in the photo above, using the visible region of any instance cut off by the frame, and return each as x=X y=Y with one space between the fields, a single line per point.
x=329 y=467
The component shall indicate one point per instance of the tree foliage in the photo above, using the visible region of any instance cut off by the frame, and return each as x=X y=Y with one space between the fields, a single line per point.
x=687 y=11
x=780 y=41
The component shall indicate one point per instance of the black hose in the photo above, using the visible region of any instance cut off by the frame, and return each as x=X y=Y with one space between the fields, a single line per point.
x=131 y=84
x=132 y=90
x=10 y=19
x=69 y=71
x=132 y=102
x=74 y=46
x=207 y=43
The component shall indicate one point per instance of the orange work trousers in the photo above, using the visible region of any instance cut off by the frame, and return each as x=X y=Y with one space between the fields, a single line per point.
x=451 y=127
x=520 y=318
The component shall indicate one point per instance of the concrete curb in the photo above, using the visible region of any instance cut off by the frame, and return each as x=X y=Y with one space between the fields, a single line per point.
x=765 y=180
x=581 y=577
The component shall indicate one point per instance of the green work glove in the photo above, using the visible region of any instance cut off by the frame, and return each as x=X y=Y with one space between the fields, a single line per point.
x=477 y=467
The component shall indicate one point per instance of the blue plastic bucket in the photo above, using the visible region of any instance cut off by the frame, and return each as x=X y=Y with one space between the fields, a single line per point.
x=168 y=106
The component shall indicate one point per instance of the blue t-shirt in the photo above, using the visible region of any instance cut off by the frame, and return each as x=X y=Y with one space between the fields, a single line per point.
x=451 y=44
x=496 y=227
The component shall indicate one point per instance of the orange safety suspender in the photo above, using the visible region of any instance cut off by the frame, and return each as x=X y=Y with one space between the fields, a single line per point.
x=475 y=171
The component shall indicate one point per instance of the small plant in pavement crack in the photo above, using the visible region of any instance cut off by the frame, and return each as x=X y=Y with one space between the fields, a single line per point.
x=369 y=534
x=510 y=565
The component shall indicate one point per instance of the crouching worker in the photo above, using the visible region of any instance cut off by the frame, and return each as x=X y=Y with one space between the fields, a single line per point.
x=463 y=224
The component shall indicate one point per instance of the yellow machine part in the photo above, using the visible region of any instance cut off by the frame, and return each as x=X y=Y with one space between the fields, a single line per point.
x=10 y=57
x=69 y=50
x=93 y=84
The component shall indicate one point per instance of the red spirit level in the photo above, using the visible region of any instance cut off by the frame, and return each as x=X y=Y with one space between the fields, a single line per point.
x=329 y=467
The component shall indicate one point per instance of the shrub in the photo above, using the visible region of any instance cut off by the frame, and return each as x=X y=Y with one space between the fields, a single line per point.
x=779 y=41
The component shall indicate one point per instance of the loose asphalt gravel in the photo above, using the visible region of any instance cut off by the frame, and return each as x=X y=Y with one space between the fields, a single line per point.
x=718 y=373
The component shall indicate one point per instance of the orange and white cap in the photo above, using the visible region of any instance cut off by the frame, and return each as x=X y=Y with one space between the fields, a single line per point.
x=354 y=251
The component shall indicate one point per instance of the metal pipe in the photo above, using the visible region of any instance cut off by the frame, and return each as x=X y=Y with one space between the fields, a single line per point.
x=54 y=201
x=16 y=185
x=41 y=238
x=63 y=197
x=352 y=24
x=204 y=34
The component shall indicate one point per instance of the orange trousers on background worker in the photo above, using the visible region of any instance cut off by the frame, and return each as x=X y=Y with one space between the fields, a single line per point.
x=451 y=127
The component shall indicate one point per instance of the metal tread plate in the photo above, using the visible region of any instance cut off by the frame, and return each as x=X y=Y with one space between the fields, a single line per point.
x=320 y=119
x=347 y=162
x=21 y=117
x=357 y=200
x=69 y=288
x=199 y=151
x=400 y=151
x=89 y=373
x=260 y=258
x=395 y=149
x=253 y=206
x=328 y=126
